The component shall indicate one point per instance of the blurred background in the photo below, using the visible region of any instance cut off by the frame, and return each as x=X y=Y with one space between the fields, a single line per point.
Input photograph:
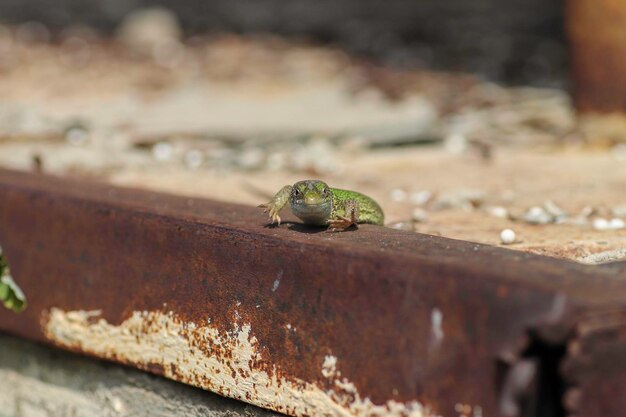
x=463 y=118
x=519 y=41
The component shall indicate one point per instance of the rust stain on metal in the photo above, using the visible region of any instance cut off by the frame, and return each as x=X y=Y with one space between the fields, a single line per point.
x=595 y=366
x=597 y=34
x=366 y=323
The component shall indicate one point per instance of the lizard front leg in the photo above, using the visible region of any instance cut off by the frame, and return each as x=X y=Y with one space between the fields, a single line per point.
x=277 y=203
x=350 y=219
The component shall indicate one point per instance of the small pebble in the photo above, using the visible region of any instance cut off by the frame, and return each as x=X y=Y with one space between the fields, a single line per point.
x=537 y=215
x=117 y=404
x=465 y=199
x=162 y=151
x=419 y=215
x=498 y=211
x=76 y=135
x=554 y=210
x=456 y=143
x=194 y=159
x=398 y=195
x=420 y=197
x=616 y=223
x=507 y=236
x=600 y=223
x=251 y=158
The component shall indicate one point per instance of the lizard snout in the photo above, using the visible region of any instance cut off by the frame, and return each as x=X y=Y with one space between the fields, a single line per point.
x=312 y=199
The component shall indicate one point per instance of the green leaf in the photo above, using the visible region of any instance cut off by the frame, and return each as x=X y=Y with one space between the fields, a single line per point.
x=4 y=291
x=11 y=295
x=3 y=265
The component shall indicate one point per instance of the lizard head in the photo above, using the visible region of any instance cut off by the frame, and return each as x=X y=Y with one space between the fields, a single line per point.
x=311 y=200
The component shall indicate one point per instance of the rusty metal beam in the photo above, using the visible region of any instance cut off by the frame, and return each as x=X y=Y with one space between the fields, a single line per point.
x=298 y=320
x=595 y=366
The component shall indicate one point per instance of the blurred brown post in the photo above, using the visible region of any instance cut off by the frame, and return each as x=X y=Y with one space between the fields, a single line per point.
x=597 y=34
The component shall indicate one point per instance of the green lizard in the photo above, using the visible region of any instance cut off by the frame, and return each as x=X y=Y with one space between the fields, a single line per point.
x=317 y=204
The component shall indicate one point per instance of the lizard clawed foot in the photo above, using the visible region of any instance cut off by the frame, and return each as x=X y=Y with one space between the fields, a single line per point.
x=273 y=212
x=340 y=224
x=277 y=203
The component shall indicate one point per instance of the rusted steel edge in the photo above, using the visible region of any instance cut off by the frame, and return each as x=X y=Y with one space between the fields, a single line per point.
x=371 y=322
x=596 y=31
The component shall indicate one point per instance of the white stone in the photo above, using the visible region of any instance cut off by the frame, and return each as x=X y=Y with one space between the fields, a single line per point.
x=537 y=215
x=616 y=223
x=419 y=215
x=194 y=159
x=600 y=223
x=420 y=197
x=162 y=151
x=498 y=211
x=398 y=195
x=507 y=236
x=455 y=143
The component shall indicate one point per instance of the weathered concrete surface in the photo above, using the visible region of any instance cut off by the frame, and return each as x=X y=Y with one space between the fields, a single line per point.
x=36 y=381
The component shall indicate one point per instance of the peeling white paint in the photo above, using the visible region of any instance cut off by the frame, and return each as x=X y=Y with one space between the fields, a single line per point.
x=329 y=367
x=186 y=352
x=277 y=281
x=436 y=319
